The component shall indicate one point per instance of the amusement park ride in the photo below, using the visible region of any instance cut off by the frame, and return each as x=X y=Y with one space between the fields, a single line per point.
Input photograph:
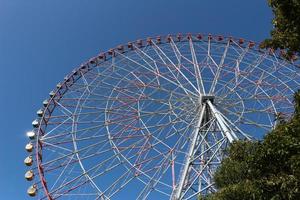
x=151 y=119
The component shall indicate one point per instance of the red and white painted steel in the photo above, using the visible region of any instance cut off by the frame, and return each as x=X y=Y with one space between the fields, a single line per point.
x=151 y=119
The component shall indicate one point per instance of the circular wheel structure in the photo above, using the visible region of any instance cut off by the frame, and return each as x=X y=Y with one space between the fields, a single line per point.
x=151 y=119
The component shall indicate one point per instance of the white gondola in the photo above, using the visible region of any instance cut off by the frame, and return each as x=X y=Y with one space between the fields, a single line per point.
x=32 y=190
x=45 y=102
x=75 y=72
x=35 y=123
x=31 y=134
x=28 y=161
x=29 y=175
x=40 y=112
x=29 y=147
x=51 y=94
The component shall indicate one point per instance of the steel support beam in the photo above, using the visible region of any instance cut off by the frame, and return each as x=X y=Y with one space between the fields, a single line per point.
x=178 y=191
x=207 y=109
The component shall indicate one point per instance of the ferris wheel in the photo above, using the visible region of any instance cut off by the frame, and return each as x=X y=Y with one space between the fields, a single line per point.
x=152 y=119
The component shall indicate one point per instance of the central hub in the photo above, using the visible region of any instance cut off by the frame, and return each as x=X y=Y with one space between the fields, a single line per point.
x=204 y=98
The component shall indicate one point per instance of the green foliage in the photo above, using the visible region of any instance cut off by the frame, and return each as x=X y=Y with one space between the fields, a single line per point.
x=286 y=32
x=269 y=169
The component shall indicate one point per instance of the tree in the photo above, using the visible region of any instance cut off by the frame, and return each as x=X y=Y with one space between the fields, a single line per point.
x=286 y=22
x=268 y=169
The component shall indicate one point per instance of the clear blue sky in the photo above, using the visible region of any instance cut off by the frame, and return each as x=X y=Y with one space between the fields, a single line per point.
x=41 y=41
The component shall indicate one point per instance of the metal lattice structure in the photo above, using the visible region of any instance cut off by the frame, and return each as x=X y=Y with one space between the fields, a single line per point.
x=151 y=119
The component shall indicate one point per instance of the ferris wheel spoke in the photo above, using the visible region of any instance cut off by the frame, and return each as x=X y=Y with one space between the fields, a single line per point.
x=264 y=91
x=243 y=110
x=56 y=146
x=147 y=160
x=62 y=172
x=176 y=52
x=198 y=75
x=58 y=126
x=187 y=91
x=219 y=67
x=183 y=138
x=160 y=141
x=139 y=153
x=238 y=62
x=154 y=180
x=77 y=185
x=159 y=52
x=247 y=70
x=93 y=168
x=70 y=154
x=141 y=54
x=250 y=122
x=64 y=110
x=85 y=82
x=264 y=109
x=68 y=132
x=179 y=55
x=115 y=188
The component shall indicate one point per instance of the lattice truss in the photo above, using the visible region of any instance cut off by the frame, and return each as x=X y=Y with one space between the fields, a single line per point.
x=151 y=119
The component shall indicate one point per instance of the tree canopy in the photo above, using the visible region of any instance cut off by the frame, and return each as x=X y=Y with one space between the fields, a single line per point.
x=268 y=169
x=286 y=31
